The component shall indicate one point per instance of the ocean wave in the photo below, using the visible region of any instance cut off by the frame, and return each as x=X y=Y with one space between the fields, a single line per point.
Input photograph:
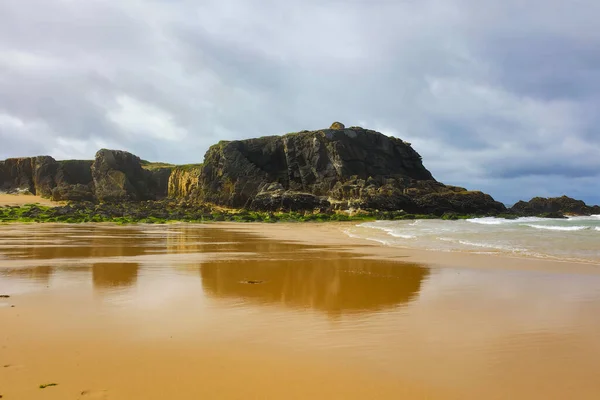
x=503 y=221
x=488 y=221
x=597 y=228
x=390 y=231
x=559 y=228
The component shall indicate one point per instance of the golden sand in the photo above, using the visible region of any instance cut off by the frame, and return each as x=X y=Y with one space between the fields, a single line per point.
x=167 y=312
x=17 y=200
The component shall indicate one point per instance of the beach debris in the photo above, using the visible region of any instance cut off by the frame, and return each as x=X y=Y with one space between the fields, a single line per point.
x=95 y=394
x=252 y=282
x=44 y=386
x=4 y=296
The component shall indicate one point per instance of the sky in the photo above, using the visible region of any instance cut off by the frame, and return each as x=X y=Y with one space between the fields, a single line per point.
x=496 y=95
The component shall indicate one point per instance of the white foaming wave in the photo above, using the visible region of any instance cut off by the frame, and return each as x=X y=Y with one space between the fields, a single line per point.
x=482 y=244
x=399 y=235
x=597 y=228
x=503 y=221
x=489 y=221
x=558 y=228
x=389 y=231
x=355 y=236
x=584 y=218
x=491 y=246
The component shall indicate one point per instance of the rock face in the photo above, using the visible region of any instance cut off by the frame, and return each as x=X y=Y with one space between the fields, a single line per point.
x=119 y=176
x=16 y=175
x=46 y=177
x=73 y=181
x=553 y=205
x=333 y=168
x=184 y=181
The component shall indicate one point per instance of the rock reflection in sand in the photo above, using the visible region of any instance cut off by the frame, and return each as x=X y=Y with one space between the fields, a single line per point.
x=324 y=280
x=335 y=285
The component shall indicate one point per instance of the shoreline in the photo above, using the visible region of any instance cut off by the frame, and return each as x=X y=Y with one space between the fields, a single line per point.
x=331 y=234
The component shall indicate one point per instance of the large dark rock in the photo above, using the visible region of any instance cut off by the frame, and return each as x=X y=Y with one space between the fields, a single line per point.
x=159 y=182
x=16 y=175
x=340 y=168
x=119 y=176
x=553 y=205
x=73 y=181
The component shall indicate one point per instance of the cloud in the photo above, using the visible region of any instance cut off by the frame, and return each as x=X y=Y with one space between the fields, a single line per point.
x=495 y=95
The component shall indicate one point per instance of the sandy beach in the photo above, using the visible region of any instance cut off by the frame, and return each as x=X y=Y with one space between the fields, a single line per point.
x=270 y=311
x=18 y=200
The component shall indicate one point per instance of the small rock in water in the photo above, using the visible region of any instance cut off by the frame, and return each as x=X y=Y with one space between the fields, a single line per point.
x=4 y=296
x=253 y=282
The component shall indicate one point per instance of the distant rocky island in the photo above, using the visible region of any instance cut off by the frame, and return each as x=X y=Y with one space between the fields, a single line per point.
x=324 y=172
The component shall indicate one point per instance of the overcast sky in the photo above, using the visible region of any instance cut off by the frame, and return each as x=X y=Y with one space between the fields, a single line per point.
x=497 y=95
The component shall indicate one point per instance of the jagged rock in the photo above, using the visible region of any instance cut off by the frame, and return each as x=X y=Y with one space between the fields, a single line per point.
x=337 y=125
x=119 y=176
x=553 y=205
x=44 y=171
x=73 y=181
x=159 y=182
x=184 y=181
x=77 y=192
x=16 y=175
x=338 y=168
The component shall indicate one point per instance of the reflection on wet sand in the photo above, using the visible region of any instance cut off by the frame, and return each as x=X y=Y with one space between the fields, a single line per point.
x=336 y=285
x=170 y=295
x=40 y=274
x=109 y=275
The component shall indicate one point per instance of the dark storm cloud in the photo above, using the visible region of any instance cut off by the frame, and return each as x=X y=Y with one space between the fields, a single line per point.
x=496 y=95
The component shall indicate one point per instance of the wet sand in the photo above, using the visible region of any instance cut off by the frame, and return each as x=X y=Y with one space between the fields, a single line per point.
x=18 y=200
x=155 y=312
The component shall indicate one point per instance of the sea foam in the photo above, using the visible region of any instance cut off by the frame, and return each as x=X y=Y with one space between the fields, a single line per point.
x=558 y=228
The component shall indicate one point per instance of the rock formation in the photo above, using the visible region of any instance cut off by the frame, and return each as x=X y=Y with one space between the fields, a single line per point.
x=184 y=181
x=46 y=177
x=332 y=168
x=119 y=176
x=553 y=205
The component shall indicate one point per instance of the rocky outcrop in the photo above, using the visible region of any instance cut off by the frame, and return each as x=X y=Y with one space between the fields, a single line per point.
x=159 y=182
x=553 y=205
x=184 y=181
x=336 y=168
x=16 y=175
x=46 y=177
x=73 y=181
x=119 y=176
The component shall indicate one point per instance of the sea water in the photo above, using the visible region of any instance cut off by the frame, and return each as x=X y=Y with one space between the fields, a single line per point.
x=570 y=239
